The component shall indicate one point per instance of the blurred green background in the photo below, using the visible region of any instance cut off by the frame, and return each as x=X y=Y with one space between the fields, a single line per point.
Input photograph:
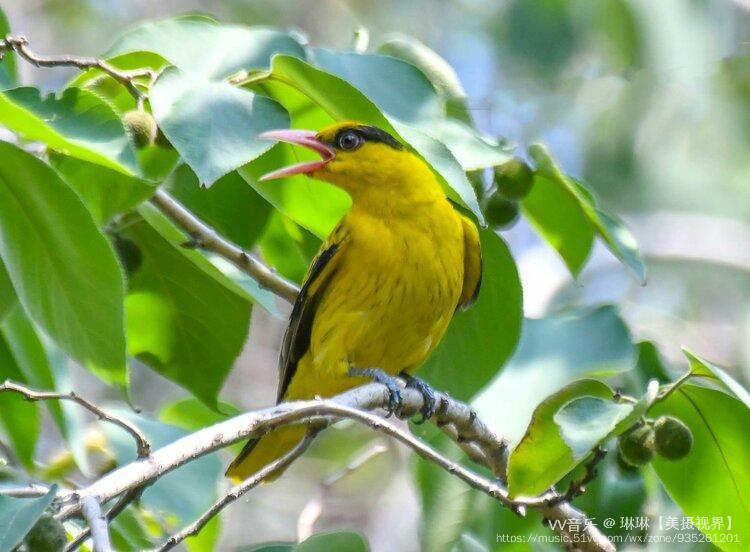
x=647 y=101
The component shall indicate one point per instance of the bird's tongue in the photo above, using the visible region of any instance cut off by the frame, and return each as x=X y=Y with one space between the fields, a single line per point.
x=304 y=138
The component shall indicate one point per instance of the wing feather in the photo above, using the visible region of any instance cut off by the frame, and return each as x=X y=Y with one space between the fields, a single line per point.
x=472 y=264
x=297 y=337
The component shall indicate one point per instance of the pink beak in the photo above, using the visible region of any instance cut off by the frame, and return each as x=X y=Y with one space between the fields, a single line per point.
x=305 y=138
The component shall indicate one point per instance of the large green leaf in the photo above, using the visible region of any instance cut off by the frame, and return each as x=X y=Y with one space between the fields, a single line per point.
x=206 y=48
x=404 y=94
x=342 y=101
x=702 y=368
x=481 y=339
x=559 y=219
x=712 y=480
x=288 y=248
x=7 y=293
x=563 y=430
x=611 y=230
x=553 y=352
x=213 y=125
x=105 y=192
x=77 y=123
x=184 y=318
x=62 y=267
x=19 y=417
x=18 y=516
x=8 y=69
x=230 y=206
x=316 y=205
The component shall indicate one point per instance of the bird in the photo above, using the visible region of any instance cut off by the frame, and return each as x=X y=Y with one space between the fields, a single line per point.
x=381 y=291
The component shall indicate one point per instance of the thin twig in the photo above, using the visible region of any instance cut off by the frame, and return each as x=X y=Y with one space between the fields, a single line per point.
x=144 y=447
x=311 y=512
x=97 y=521
x=578 y=486
x=121 y=504
x=207 y=238
x=20 y=44
x=239 y=490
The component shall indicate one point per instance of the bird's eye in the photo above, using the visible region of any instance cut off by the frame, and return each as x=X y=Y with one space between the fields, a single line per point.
x=349 y=140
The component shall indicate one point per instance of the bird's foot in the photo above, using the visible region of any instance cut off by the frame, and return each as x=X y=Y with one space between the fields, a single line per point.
x=429 y=399
x=376 y=374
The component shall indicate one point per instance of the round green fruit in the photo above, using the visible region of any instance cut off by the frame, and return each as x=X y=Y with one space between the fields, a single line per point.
x=673 y=438
x=47 y=535
x=636 y=447
x=141 y=126
x=514 y=179
x=500 y=212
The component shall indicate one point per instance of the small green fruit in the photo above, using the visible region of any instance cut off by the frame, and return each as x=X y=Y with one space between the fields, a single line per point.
x=141 y=126
x=636 y=447
x=500 y=212
x=47 y=535
x=514 y=179
x=129 y=253
x=673 y=438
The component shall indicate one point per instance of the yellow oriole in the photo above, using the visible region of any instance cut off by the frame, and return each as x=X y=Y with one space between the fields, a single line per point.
x=381 y=291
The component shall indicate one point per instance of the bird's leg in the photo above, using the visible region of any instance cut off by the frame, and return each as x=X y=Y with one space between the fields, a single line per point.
x=379 y=376
x=429 y=401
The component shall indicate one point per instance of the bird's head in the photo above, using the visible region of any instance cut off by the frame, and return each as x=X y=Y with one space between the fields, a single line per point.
x=363 y=160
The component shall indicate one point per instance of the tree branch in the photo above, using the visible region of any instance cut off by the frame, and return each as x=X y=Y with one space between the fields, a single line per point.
x=207 y=238
x=144 y=447
x=126 y=78
x=239 y=490
x=97 y=521
x=353 y=405
x=122 y=503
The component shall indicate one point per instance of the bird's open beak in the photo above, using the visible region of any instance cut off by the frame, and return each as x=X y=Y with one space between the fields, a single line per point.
x=305 y=138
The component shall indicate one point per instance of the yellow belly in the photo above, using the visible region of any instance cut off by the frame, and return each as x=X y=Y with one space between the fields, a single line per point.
x=387 y=306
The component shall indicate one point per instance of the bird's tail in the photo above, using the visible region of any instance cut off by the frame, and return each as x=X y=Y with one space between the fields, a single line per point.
x=264 y=450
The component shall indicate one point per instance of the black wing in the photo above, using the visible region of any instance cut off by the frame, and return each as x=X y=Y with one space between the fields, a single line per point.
x=297 y=337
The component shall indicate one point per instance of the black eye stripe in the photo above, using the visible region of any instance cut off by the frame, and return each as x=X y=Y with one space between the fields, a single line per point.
x=368 y=134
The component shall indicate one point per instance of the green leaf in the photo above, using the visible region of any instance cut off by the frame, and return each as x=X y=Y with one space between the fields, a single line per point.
x=712 y=480
x=206 y=48
x=316 y=205
x=342 y=101
x=31 y=358
x=702 y=368
x=77 y=123
x=8 y=69
x=650 y=364
x=405 y=95
x=128 y=532
x=288 y=248
x=481 y=339
x=213 y=125
x=18 y=516
x=557 y=216
x=230 y=206
x=19 y=417
x=7 y=293
x=191 y=414
x=45 y=231
x=553 y=352
x=563 y=430
x=105 y=192
x=613 y=232
x=341 y=541
x=398 y=88
x=206 y=540
x=184 y=318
